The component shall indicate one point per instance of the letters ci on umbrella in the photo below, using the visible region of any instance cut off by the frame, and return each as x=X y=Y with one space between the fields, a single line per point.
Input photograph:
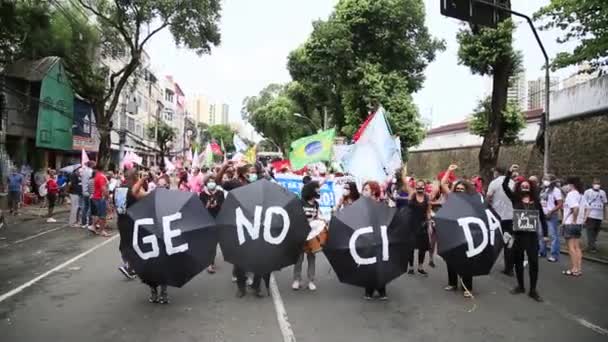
x=168 y=237
x=369 y=243
x=469 y=234
x=262 y=227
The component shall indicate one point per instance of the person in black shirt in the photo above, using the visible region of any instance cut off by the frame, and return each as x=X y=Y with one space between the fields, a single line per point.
x=525 y=197
x=311 y=192
x=75 y=191
x=212 y=199
x=244 y=175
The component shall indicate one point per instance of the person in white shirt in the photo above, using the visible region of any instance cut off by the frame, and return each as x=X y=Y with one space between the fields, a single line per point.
x=574 y=217
x=595 y=205
x=504 y=208
x=552 y=201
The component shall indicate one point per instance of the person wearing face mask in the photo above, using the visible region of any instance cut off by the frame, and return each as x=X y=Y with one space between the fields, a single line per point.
x=552 y=201
x=244 y=175
x=595 y=200
x=311 y=192
x=421 y=211
x=349 y=195
x=212 y=199
x=524 y=198
x=504 y=208
x=574 y=218
x=372 y=190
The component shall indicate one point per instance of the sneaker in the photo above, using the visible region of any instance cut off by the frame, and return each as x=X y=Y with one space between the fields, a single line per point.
x=367 y=296
x=295 y=285
x=551 y=259
x=534 y=295
x=240 y=293
x=234 y=279
x=51 y=220
x=383 y=297
x=126 y=272
x=423 y=272
x=164 y=297
x=312 y=286
x=92 y=229
x=410 y=271
x=517 y=290
x=450 y=288
x=153 y=296
x=467 y=294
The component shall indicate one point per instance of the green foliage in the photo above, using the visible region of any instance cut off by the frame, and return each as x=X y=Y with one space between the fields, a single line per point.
x=584 y=22
x=222 y=133
x=513 y=121
x=487 y=48
x=23 y=29
x=367 y=51
x=163 y=133
x=272 y=114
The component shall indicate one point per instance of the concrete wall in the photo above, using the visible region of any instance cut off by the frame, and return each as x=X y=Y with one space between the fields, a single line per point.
x=579 y=148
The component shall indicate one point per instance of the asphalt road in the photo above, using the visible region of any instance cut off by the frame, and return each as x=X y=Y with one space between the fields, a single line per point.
x=74 y=292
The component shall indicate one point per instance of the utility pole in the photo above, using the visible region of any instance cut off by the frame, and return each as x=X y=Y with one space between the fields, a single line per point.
x=122 y=133
x=324 y=118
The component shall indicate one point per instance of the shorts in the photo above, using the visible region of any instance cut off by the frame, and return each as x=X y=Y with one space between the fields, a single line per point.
x=572 y=231
x=100 y=208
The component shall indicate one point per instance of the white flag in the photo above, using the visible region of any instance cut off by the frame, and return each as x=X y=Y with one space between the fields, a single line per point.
x=238 y=143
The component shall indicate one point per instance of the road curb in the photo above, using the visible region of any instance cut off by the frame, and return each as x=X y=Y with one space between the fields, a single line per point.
x=588 y=258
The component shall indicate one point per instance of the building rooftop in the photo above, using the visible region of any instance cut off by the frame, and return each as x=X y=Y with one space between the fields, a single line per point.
x=31 y=70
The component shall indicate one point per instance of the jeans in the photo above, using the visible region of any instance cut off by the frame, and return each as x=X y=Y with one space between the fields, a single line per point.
x=553 y=226
x=75 y=205
x=593 y=227
x=85 y=213
x=297 y=268
x=14 y=198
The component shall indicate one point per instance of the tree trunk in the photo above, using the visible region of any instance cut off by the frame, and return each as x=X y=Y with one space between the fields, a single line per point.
x=104 y=155
x=490 y=148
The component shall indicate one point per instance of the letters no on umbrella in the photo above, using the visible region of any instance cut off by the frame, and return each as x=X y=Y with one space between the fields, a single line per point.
x=262 y=227
x=168 y=237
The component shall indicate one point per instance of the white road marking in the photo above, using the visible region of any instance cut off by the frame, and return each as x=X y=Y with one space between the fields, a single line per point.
x=55 y=269
x=284 y=325
x=39 y=234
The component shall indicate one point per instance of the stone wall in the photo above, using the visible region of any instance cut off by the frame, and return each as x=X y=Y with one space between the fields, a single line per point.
x=579 y=147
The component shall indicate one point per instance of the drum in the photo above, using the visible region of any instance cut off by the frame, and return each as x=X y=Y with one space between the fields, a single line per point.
x=317 y=238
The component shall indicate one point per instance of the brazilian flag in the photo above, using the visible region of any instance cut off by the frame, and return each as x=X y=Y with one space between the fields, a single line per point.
x=312 y=149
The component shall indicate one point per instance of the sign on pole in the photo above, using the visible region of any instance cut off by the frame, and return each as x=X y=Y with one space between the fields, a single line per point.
x=479 y=12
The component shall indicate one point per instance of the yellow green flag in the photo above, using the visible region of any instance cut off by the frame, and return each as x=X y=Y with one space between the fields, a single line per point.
x=312 y=149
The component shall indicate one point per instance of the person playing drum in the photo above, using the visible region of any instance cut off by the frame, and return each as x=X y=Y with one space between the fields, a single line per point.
x=311 y=192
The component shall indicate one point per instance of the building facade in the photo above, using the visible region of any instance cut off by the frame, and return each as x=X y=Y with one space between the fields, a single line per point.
x=536 y=92
x=517 y=90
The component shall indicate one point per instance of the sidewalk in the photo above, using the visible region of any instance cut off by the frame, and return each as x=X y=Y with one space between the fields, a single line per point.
x=602 y=246
x=33 y=212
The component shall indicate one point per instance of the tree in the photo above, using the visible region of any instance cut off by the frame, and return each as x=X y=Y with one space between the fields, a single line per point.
x=513 y=121
x=488 y=51
x=163 y=134
x=584 y=22
x=368 y=52
x=272 y=114
x=129 y=25
x=222 y=133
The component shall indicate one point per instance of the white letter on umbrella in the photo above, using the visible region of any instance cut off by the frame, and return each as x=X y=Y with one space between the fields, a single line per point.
x=151 y=239
x=169 y=234
x=465 y=223
x=252 y=229
x=384 y=235
x=494 y=224
x=353 y=247
x=268 y=224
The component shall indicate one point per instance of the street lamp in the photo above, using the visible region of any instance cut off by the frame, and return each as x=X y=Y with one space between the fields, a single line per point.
x=298 y=115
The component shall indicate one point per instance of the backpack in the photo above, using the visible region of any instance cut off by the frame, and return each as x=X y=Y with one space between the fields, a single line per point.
x=120 y=200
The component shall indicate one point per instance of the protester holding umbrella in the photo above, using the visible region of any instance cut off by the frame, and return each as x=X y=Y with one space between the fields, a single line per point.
x=421 y=212
x=212 y=199
x=371 y=189
x=311 y=192
x=245 y=174
x=526 y=205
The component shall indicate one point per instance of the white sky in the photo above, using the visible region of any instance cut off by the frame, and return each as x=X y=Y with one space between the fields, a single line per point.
x=257 y=37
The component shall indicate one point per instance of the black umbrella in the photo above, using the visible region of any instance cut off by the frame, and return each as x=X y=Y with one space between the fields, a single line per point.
x=168 y=237
x=262 y=227
x=370 y=243
x=469 y=236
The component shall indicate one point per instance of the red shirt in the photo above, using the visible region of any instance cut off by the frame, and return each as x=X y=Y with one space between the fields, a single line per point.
x=52 y=187
x=99 y=183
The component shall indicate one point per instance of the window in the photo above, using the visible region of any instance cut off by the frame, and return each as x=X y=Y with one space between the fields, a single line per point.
x=169 y=95
x=168 y=116
x=131 y=124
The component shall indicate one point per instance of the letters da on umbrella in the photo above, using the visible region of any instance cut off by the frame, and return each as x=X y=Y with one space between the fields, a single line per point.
x=352 y=245
x=253 y=229
x=467 y=222
x=152 y=240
